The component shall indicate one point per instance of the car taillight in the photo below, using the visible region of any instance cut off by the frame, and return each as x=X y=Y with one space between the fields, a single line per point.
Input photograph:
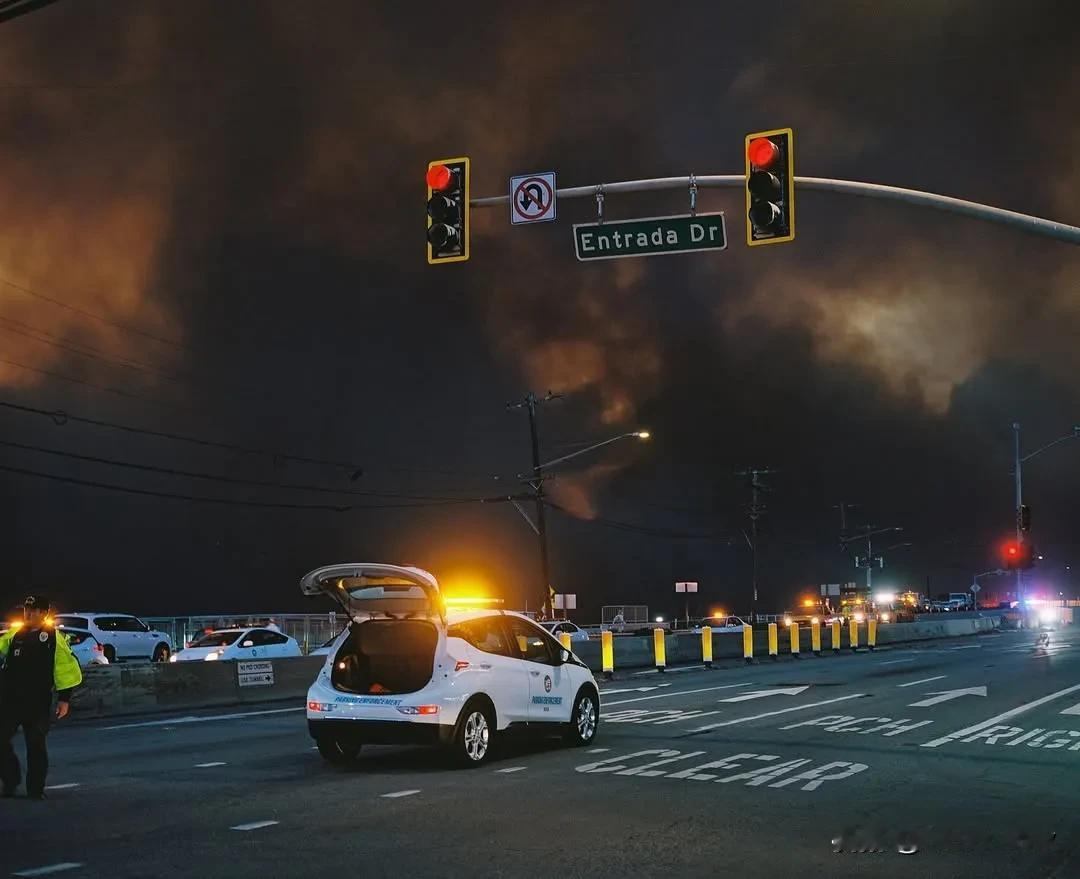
x=320 y=706
x=419 y=709
x=461 y=665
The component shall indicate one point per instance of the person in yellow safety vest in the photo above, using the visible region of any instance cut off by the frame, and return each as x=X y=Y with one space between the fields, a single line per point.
x=36 y=658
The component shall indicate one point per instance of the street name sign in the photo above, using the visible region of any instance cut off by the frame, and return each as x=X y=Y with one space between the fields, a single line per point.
x=650 y=236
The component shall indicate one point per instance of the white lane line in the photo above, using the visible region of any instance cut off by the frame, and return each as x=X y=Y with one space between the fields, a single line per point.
x=673 y=693
x=610 y=692
x=653 y=671
x=402 y=793
x=774 y=713
x=254 y=825
x=509 y=769
x=201 y=719
x=967 y=647
x=1012 y=712
x=923 y=681
x=209 y=765
x=898 y=661
x=597 y=750
x=67 y=786
x=49 y=870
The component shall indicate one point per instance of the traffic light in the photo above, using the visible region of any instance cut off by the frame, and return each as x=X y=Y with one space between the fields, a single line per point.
x=770 y=187
x=1023 y=518
x=1018 y=555
x=448 y=210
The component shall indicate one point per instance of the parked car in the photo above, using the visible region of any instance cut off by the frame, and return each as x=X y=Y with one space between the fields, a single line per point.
x=557 y=627
x=122 y=636
x=235 y=644
x=408 y=671
x=721 y=624
x=84 y=646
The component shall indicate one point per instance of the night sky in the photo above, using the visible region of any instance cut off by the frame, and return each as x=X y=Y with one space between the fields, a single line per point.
x=213 y=221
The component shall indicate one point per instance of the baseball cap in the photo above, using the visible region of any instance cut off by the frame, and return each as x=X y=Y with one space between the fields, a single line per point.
x=39 y=602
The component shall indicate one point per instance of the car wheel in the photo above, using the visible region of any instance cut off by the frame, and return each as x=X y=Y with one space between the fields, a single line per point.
x=110 y=653
x=335 y=749
x=161 y=653
x=584 y=720
x=475 y=734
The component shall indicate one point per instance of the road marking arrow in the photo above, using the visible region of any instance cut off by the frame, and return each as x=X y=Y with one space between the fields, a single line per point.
x=946 y=695
x=1074 y=710
x=632 y=690
x=761 y=694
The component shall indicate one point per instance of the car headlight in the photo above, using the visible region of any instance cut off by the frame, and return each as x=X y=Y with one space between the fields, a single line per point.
x=173 y=658
x=858 y=617
x=211 y=656
x=884 y=617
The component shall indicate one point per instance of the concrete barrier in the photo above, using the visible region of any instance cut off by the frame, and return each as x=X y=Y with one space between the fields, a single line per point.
x=117 y=690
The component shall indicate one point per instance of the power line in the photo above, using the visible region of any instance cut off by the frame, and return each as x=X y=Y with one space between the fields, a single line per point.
x=10 y=9
x=76 y=381
x=92 y=315
x=108 y=486
x=231 y=480
x=635 y=529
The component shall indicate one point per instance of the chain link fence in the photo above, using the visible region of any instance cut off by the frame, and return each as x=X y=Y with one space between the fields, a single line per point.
x=311 y=630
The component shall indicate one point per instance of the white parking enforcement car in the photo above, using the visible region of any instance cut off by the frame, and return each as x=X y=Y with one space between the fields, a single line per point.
x=406 y=671
x=236 y=644
x=121 y=635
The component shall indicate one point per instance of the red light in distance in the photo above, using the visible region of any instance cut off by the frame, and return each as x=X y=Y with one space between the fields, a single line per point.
x=762 y=152
x=439 y=177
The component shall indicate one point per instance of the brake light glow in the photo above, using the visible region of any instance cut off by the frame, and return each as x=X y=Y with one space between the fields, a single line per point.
x=461 y=665
x=418 y=709
x=320 y=706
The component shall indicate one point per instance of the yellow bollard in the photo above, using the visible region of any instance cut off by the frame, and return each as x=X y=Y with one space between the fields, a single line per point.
x=706 y=646
x=815 y=638
x=774 y=650
x=835 y=636
x=659 y=649
x=795 y=640
x=871 y=633
x=853 y=639
x=564 y=639
x=607 y=654
x=748 y=643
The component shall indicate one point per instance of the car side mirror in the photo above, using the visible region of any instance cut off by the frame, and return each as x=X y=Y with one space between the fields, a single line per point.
x=564 y=656
x=248 y=644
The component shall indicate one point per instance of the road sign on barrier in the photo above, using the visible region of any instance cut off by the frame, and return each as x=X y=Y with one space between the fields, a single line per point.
x=255 y=674
x=650 y=236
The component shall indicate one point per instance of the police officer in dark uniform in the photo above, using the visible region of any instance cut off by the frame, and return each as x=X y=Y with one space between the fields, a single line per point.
x=36 y=658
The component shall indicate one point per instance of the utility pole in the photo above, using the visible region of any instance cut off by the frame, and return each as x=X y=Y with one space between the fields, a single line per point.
x=756 y=511
x=843 y=507
x=1017 y=463
x=530 y=402
x=869 y=560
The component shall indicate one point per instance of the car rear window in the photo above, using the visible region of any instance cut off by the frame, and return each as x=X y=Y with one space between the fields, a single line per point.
x=74 y=636
x=216 y=639
x=74 y=622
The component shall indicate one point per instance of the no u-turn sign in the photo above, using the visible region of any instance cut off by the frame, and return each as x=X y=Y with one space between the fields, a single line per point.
x=532 y=198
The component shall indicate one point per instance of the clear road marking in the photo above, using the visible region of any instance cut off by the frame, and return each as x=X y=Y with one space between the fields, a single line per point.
x=209 y=765
x=404 y=793
x=200 y=719
x=761 y=694
x=509 y=769
x=49 y=870
x=653 y=671
x=774 y=713
x=967 y=647
x=1075 y=709
x=597 y=750
x=609 y=692
x=67 y=786
x=254 y=825
x=948 y=695
x=898 y=661
x=674 y=693
x=661 y=716
x=1013 y=712
x=923 y=681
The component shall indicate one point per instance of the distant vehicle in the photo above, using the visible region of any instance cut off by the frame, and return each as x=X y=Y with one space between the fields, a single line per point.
x=408 y=670
x=721 y=624
x=84 y=646
x=121 y=635
x=960 y=600
x=237 y=644
x=557 y=627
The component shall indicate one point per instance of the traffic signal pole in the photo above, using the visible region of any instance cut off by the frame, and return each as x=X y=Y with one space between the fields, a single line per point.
x=976 y=210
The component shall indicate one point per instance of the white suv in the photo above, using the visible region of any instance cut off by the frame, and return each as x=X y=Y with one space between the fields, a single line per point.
x=407 y=672
x=121 y=635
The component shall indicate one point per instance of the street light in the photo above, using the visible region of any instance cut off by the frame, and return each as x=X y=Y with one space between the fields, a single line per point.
x=637 y=434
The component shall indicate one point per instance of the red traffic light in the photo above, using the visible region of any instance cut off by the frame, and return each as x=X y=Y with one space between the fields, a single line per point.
x=762 y=152
x=439 y=177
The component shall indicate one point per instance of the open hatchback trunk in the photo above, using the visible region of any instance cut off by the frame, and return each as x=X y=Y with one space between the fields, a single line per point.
x=367 y=590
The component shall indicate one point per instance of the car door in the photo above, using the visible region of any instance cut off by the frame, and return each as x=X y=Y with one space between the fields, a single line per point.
x=550 y=684
x=105 y=630
x=136 y=635
x=498 y=669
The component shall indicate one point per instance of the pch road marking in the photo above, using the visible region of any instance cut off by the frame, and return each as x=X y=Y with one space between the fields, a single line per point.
x=710 y=726
x=923 y=681
x=674 y=693
x=254 y=825
x=997 y=719
x=761 y=694
x=947 y=695
x=401 y=793
x=49 y=870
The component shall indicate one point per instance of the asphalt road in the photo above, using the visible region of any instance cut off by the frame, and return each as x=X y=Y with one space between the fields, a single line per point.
x=951 y=759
